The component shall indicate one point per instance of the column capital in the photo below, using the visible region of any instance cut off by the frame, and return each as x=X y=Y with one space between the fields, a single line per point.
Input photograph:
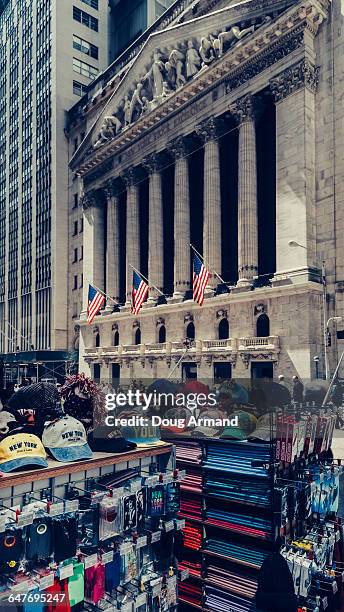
x=244 y=109
x=91 y=199
x=112 y=188
x=209 y=129
x=302 y=74
x=131 y=176
x=179 y=147
x=154 y=162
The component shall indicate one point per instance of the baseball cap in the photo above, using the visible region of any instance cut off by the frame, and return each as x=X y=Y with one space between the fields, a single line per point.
x=66 y=439
x=246 y=424
x=141 y=435
x=7 y=422
x=105 y=440
x=21 y=450
x=265 y=428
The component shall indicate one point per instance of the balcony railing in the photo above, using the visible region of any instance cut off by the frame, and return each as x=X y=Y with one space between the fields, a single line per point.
x=220 y=345
x=198 y=347
x=156 y=347
x=270 y=342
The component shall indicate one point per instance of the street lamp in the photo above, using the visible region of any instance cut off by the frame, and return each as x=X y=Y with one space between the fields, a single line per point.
x=333 y=320
x=292 y=244
x=316 y=361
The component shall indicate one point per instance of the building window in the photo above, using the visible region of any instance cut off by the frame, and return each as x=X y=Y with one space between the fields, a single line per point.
x=92 y=3
x=223 y=329
x=137 y=336
x=263 y=326
x=81 y=225
x=81 y=281
x=81 y=253
x=75 y=283
x=85 y=69
x=85 y=47
x=79 y=89
x=75 y=258
x=190 y=331
x=97 y=340
x=85 y=19
x=76 y=201
x=162 y=334
x=116 y=338
x=75 y=228
x=75 y=309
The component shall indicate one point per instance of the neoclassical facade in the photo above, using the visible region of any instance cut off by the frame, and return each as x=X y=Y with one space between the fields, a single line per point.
x=224 y=131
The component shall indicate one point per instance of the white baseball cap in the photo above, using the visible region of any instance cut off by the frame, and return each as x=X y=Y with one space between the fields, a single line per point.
x=66 y=439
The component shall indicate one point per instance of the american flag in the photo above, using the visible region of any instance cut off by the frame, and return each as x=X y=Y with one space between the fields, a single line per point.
x=139 y=293
x=95 y=301
x=201 y=277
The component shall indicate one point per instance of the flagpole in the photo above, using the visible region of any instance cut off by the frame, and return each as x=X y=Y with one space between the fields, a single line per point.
x=105 y=294
x=213 y=271
x=147 y=281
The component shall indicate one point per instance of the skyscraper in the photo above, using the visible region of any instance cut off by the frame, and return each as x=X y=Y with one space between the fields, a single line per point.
x=50 y=50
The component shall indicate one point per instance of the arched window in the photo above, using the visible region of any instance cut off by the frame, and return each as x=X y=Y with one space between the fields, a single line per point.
x=190 y=331
x=223 y=329
x=263 y=326
x=97 y=339
x=116 y=338
x=162 y=334
x=138 y=336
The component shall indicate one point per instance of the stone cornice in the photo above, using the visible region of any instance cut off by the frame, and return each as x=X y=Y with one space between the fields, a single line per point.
x=248 y=52
x=302 y=74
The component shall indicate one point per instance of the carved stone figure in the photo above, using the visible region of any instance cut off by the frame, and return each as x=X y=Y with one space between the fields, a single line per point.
x=135 y=102
x=145 y=105
x=110 y=128
x=193 y=61
x=127 y=111
x=206 y=52
x=156 y=74
x=231 y=37
x=170 y=75
x=176 y=60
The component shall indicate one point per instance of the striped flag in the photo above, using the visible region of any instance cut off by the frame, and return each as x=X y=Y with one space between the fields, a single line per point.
x=139 y=293
x=201 y=277
x=95 y=301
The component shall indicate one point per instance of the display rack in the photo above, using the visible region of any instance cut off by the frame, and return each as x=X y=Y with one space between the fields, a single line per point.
x=236 y=532
x=215 y=564
x=152 y=466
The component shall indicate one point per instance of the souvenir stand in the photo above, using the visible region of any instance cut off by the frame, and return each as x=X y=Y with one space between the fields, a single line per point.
x=115 y=516
x=242 y=500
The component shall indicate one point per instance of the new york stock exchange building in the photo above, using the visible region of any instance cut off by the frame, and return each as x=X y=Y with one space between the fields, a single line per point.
x=221 y=128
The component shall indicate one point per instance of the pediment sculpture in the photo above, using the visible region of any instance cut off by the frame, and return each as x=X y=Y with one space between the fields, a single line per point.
x=168 y=72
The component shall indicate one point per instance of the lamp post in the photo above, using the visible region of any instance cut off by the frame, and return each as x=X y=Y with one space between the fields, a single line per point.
x=292 y=244
x=334 y=321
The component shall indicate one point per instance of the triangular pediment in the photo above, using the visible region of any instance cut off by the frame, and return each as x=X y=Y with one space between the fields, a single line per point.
x=170 y=59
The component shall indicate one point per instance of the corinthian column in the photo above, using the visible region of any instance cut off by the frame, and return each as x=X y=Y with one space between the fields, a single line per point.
x=182 y=271
x=93 y=236
x=152 y=164
x=208 y=132
x=112 y=190
x=244 y=111
x=131 y=179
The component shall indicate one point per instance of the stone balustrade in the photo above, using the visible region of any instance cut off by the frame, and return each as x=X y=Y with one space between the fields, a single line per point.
x=229 y=345
x=271 y=342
